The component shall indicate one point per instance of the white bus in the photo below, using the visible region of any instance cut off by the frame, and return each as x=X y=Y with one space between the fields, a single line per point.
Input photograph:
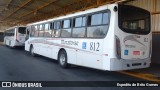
x=110 y=37
x=15 y=36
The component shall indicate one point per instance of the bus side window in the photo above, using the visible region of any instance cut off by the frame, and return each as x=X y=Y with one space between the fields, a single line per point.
x=105 y=18
x=12 y=32
x=66 y=28
x=52 y=29
x=36 y=31
x=57 y=28
x=41 y=31
x=47 y=30
x=27 y=34
x=79 y=27
x=32 y=31
x=97 y=25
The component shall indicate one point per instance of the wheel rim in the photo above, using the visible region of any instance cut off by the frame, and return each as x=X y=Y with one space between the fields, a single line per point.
x=62 y=59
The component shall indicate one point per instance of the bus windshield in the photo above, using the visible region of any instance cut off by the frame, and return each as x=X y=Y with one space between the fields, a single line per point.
x=22 y=30
x=133 y=19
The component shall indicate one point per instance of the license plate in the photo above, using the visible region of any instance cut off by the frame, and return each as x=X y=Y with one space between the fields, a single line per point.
x=136 y=52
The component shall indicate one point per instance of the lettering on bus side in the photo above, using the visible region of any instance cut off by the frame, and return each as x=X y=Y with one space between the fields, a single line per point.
x=145 y=39
x=69 y=42
x=130 y=46
x=94 y=46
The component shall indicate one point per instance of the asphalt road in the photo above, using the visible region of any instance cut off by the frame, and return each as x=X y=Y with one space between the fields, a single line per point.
x=18 y=65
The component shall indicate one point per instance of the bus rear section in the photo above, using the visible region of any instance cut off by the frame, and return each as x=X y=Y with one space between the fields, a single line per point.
x=15 y=36
x=9 y=37
x=133 y=40
x=21 y=35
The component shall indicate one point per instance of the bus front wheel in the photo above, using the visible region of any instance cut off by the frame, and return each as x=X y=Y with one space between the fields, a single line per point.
x=32 y=51
x=62 y=59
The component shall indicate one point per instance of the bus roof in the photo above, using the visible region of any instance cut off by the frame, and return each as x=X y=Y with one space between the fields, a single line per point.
x=14 y=27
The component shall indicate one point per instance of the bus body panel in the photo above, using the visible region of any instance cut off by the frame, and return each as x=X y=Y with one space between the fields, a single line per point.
x=98 y=53
x=21 y=34
x=135 y=49
x=8 y=41
x=13 y=37
x=116 y=64
x=91 y=50
x=109 y=41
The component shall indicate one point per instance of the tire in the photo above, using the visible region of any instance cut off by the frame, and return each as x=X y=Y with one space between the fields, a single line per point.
x=12 y=47
x=32 y=51
x=62 y=59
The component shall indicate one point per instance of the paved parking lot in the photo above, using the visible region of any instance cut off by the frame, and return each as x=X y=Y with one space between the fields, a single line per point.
x=18 y=65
